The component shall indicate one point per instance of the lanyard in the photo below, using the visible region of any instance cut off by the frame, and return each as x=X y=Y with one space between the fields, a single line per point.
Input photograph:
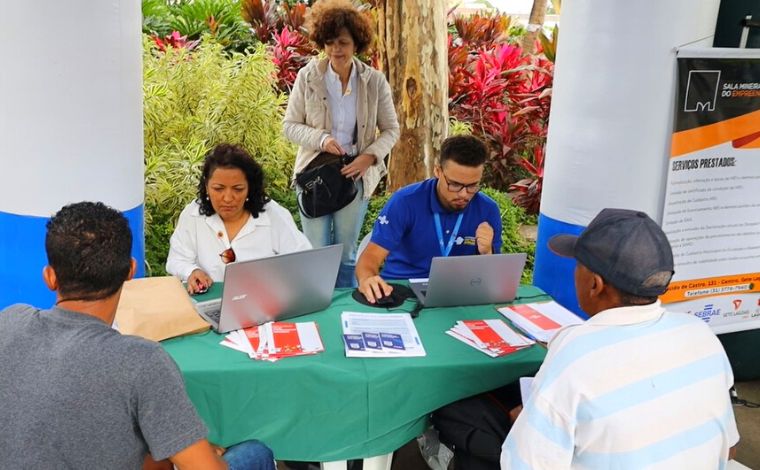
x=439 y=231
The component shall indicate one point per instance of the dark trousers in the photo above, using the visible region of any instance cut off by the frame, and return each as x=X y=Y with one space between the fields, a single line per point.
x=474 y=428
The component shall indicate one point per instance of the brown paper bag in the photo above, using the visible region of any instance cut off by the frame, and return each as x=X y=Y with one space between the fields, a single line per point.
x=157 y=308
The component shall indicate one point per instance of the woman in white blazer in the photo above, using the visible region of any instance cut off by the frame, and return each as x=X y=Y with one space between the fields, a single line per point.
x=232 y=219
x=341 y=106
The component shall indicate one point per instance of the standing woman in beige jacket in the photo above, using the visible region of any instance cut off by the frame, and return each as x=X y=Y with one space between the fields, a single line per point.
x=341 y=106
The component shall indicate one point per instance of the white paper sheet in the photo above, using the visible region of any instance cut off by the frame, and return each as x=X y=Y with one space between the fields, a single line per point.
x=401 y=324
x=545 y=321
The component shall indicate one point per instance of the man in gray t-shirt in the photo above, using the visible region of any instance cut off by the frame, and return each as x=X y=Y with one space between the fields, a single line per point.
x=74 y=393
x=77 y=392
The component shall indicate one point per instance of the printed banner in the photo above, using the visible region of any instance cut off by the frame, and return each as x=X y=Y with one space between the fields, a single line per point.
x=712 y=200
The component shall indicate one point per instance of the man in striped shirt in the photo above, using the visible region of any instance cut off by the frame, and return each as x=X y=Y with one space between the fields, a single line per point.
x=635 y=387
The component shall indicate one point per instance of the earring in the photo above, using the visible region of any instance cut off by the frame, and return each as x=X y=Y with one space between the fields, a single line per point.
x=246 y=199
x=207 y=198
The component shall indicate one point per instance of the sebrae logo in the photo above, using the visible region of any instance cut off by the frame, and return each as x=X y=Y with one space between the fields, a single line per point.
x=701 y=91
x=707 y=313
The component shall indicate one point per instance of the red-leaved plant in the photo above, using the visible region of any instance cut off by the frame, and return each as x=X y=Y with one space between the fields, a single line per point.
x=291 y=51
x=527 y=191
x=482 y=30
x=264 y=18
x=174 y=40
x=505 y=96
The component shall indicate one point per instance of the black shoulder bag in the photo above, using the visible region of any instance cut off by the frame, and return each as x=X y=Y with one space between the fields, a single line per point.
x=323 y=189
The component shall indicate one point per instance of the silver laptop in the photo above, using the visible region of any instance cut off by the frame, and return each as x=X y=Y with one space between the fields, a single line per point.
x=471 y=280
x=273 y=288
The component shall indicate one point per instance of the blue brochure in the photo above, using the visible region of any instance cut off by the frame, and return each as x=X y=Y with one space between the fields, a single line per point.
x=392 y=341
x=354 y=342
x=372 y=341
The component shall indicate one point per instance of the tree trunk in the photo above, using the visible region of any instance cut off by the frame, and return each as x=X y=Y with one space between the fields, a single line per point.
x=413 y=45
x=535 y=23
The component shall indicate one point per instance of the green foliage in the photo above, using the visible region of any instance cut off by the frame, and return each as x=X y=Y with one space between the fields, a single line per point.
x=286 y=197
x=516 y=32
x=512 y=217
x=156 y=17
x=375 y=206
x=457 y=127
x=221 y=19
x=192 y=102
x=549 y=43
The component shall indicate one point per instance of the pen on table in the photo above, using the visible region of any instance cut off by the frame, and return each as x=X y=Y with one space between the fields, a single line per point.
x=525 y=333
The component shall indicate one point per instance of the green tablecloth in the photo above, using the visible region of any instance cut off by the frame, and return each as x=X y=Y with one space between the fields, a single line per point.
x=328 y=407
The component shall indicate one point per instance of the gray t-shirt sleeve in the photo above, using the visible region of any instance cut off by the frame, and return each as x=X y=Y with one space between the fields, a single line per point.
x=167 y=419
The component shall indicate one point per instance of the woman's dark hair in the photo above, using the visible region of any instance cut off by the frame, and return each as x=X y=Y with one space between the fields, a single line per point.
x=88 y=245
x=328 y=17
x=233 y=156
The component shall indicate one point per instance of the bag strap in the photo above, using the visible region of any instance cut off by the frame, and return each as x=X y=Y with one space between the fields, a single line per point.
x=322 y=158
x=300 y=206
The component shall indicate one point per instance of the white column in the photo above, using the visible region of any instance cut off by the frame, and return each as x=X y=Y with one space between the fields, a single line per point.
x=70 y=125
x=611 y=116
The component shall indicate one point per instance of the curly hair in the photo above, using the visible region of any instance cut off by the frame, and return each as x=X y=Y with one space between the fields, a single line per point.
x=328 y=17
x=233 y=156
x=88 y=245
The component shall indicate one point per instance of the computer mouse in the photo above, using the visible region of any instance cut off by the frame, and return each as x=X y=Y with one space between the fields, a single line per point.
x=395 y=299
x=386 y=300
x=202 y=290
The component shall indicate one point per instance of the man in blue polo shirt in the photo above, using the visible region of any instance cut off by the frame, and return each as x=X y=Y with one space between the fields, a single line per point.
x=441 y=216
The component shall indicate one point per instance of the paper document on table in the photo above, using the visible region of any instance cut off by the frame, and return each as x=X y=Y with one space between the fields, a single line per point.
x=276 y=340
x=361 y=329
x=491 y=337
x=540 y=320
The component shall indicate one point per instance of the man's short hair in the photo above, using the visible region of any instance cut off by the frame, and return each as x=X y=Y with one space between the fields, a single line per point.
x=88 y=246
x=466 y=150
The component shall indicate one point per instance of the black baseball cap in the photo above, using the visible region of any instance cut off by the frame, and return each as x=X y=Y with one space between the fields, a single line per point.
x=627 y=248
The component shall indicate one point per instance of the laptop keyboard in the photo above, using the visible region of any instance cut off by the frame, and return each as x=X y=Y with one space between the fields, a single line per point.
x=214 y=315
x=212 y=309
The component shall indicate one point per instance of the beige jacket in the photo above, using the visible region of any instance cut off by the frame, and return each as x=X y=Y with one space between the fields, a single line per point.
x=308 y=119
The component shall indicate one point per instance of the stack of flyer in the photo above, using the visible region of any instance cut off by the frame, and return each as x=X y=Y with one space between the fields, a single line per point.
x=491 y=337
x=380 y=335
x=540 y=320
x=276 y=340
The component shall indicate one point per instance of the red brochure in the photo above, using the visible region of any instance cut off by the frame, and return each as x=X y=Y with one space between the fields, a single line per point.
x=488 y=337
x=286 y=339
x=535 y=317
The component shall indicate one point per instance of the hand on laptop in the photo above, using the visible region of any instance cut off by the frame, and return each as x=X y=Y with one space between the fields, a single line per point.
x=484 y=238
x=198 y=281
x=374 y=287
